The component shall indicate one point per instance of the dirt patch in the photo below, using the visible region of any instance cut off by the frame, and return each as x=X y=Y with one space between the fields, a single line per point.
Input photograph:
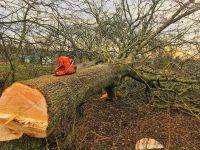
x=110 y=125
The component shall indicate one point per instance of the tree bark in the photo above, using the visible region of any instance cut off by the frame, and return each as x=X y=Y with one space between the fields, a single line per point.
x=63 y=95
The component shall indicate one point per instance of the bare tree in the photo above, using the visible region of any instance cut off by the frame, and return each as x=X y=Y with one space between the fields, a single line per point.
x=136 y=38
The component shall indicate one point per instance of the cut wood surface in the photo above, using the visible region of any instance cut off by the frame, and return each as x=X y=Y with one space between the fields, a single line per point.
x=40 y=107
x=23 y=109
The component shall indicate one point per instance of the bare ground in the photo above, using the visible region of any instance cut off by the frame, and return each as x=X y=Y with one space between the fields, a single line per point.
x=114 y=125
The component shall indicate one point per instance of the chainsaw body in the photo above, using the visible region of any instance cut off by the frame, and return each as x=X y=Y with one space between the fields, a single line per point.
x=66 y=65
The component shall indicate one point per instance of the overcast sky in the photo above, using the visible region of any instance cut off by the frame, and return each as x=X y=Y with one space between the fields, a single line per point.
x=8 y=6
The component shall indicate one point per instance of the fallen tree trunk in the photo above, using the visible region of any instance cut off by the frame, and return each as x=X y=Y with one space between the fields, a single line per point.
x=55 y=100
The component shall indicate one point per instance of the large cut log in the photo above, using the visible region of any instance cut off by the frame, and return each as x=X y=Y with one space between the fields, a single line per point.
x=39 y=107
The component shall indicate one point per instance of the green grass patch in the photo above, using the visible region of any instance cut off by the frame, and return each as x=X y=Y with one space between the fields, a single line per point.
x=27 y=71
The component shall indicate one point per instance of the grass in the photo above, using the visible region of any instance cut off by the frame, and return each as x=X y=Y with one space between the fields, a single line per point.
x=4 y=67
x=27 y=71
x=22 y=67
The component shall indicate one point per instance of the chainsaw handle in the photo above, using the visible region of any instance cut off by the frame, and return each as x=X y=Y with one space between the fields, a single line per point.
x=74 y=58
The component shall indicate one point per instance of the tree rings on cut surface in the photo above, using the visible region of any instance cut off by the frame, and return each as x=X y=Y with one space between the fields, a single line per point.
x=23 y=110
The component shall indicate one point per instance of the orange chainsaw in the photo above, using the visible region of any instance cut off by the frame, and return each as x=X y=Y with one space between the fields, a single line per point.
x=66 y=65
